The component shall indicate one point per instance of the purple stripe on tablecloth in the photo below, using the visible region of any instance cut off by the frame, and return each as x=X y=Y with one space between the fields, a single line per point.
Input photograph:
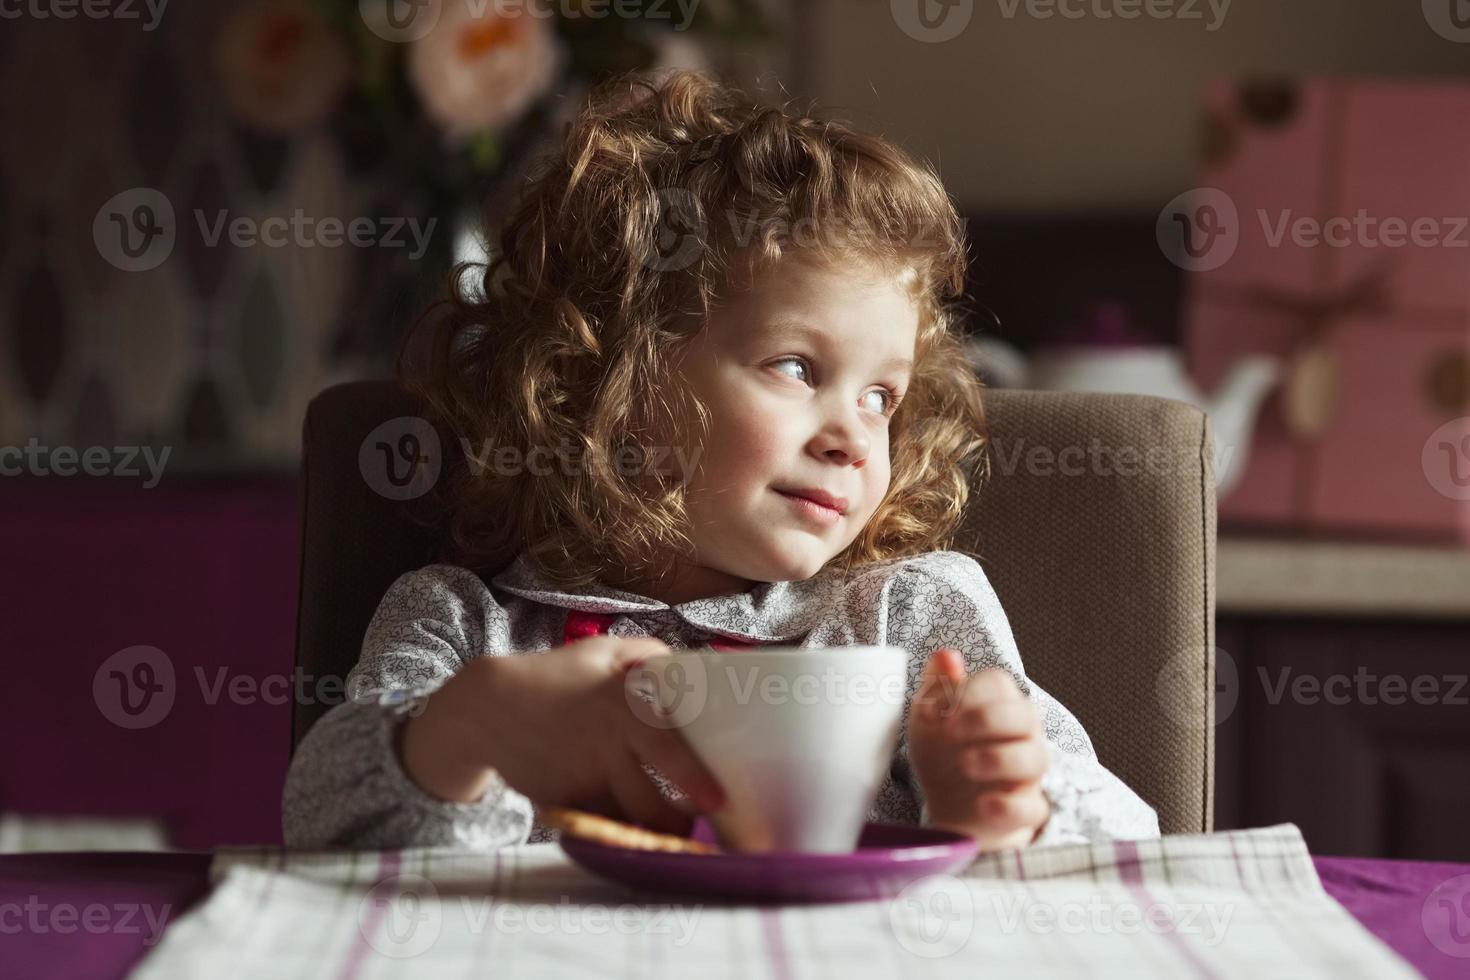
x=1239 y=867
x=775 y=943
x=480 y=961
x=389 y=863
x=1131 y=871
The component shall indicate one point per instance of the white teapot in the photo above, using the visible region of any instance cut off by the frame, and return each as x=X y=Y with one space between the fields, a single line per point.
x=1142 y=370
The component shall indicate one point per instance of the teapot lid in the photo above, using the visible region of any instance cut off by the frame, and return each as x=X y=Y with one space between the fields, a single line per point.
x=1107 y=323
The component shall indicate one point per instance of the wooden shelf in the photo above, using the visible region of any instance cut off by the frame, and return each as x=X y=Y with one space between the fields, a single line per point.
x=1336 y=578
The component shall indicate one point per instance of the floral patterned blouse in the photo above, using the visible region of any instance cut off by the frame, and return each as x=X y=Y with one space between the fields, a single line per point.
x=345 y=787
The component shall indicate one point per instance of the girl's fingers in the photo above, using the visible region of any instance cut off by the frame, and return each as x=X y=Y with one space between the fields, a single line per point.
x=1005 y=762
x=1004 y=810
x=634 y=650
x=939 y=687
x=997 y=720
x=990 y=686
x=666 y=750
x=641 y=801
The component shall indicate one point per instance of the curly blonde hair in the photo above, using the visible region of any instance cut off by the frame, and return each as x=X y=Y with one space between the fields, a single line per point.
x=567 y=336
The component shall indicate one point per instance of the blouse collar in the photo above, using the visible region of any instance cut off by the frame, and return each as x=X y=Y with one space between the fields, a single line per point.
x=771 y=612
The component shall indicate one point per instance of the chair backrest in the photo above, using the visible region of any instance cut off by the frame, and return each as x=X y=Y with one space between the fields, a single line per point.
x=1096 y=527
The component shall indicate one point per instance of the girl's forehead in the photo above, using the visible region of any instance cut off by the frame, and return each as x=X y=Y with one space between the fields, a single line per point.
x=806 y=281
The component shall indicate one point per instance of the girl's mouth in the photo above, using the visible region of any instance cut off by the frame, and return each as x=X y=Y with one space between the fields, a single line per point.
x=813 y=511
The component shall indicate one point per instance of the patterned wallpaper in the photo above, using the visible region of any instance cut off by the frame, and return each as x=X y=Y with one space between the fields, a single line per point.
x=290 y=261
x=217 y=348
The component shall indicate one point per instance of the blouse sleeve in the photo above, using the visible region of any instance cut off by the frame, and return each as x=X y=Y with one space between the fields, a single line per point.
x=345 y=786
x=945 y=600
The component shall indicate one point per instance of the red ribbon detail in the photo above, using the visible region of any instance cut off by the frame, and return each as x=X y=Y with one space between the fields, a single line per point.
x=581 y=624
x=584 y=624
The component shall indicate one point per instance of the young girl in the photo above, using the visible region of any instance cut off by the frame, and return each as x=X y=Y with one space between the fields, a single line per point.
x=711 y=395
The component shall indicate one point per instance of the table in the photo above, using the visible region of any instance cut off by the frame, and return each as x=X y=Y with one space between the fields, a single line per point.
x=1304 y=576
x=95 y=915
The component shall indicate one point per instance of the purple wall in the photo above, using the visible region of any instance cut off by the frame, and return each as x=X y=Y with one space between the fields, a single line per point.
x=204 y=570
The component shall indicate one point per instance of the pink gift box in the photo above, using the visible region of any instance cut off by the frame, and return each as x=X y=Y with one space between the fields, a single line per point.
x=1351 y=254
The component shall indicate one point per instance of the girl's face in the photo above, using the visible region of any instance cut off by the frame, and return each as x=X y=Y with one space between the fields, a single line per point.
x=801 y=375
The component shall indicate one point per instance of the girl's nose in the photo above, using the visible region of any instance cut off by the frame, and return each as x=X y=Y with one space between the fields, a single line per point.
x=842 y=439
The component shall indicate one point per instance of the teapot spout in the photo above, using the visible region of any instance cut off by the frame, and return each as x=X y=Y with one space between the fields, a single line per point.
x=1233 y=408
x=1244 y=388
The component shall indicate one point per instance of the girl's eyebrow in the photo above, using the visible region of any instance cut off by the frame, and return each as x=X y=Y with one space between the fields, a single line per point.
x=789 y=327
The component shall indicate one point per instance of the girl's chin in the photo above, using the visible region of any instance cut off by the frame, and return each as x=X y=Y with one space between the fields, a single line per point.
x=793 y=561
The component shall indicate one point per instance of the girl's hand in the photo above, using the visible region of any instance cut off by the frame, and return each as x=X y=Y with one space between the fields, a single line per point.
x=560 y=729
x=978 y=750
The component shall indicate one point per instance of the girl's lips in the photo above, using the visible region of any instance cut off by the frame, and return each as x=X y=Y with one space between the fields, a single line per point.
x=812 y=510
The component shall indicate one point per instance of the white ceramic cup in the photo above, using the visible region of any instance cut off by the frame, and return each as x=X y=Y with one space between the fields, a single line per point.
x=799 y=738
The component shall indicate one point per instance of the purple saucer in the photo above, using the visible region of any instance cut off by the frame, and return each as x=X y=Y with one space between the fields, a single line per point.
x=888 y=857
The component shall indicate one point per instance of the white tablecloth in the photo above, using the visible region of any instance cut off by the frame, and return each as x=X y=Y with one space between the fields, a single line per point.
x=1237 y=904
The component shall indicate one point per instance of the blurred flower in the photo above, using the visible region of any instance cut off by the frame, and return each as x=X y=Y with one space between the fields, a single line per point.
x=283 y=68
x=481 y=68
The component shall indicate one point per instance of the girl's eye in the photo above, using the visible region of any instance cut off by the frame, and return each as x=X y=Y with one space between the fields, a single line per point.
x=887 y=406
x=888 y=403
x=800 y=363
